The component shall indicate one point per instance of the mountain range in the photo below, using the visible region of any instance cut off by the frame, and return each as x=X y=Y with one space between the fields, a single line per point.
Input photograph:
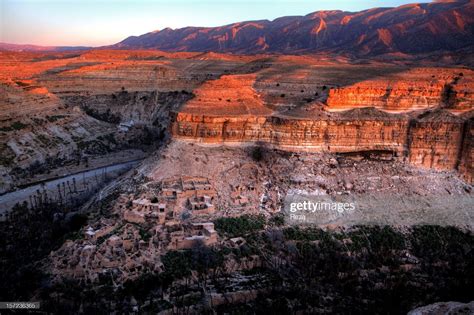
x=419 y=28
x=408 y=29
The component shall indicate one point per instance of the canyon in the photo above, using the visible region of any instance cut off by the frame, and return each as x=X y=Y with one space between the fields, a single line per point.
x=208 y=147
x=316 y=164
x=412 y=119
x=68 y=112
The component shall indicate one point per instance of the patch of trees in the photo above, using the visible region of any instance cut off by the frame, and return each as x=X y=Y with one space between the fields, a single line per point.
x=239 y=226
x=28 y=236
x=368 y=269
x=361 y=270
x=17 y=125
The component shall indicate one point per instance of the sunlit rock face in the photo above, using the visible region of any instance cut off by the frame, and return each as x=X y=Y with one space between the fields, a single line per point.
x=409 y=90
x=317 y=103
x=435 y=140
x=408 y=29
x=332 y=135
x=412 y=114
x=426 y=142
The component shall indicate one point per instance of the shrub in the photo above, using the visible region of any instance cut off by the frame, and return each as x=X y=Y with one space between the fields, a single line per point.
x=257 y=154
x=277 y=220
x=239 y=226
x=15 y=126
x=77 y=221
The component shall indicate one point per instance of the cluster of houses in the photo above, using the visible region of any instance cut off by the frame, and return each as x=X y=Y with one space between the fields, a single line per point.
x=171 y=202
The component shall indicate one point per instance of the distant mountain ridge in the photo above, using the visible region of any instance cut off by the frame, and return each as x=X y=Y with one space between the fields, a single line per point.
x=409 y=29
x=32 y=48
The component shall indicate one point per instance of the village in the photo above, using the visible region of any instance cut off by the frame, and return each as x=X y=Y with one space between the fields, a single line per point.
x=171 y=214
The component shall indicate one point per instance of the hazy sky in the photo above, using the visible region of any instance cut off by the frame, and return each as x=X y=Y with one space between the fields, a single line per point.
x=103 y=22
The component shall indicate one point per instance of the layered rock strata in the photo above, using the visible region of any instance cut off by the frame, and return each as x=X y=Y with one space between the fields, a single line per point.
x=466 y=166
x=432 y=141
x=407 y=114
x=341 y=135
x=435 y=140
x=410 y=90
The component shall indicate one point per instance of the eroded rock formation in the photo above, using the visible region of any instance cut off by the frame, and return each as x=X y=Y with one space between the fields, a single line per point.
x=435 y=138
x=408 y=90
x=466 y=166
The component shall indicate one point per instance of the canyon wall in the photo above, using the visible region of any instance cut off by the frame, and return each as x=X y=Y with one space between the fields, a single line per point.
x=312 y=135
x=433 y=140
x=466 y=166
x=409 y=90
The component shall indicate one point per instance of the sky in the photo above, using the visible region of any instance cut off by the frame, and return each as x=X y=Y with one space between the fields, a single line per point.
x=104 y=22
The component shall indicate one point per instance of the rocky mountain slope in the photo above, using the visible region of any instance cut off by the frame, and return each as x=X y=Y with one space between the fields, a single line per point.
x=409 y=29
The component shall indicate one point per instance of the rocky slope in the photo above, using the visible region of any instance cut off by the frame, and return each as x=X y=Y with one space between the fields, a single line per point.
x=62 y=113
x=40 y=138
x=102 y=101
x=433 y=139
x=408 y=29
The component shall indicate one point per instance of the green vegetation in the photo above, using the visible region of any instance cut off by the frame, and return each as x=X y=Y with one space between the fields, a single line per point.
x=305 y=234
x=7 y=156
x=17 y=125
x=375 y=238
x=239 y=226
x=144 y=234
x=55 y=118
x=257 y=153
x=277 y=220
x=438 y=242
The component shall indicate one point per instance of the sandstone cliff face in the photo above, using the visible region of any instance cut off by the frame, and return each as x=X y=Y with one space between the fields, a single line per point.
x=306 y=134
x=410 y=90
x=436 y=141
x=466 y=166
x=398 y=96
x=431 y=141
x=459 y=94
x=239 y=109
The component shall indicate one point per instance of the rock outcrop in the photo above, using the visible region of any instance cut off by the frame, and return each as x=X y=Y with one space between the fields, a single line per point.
x=410 y=114
x=331 y=135
x=409 y=90
x=435 y=140
x=466 y=166
x=432 y=141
